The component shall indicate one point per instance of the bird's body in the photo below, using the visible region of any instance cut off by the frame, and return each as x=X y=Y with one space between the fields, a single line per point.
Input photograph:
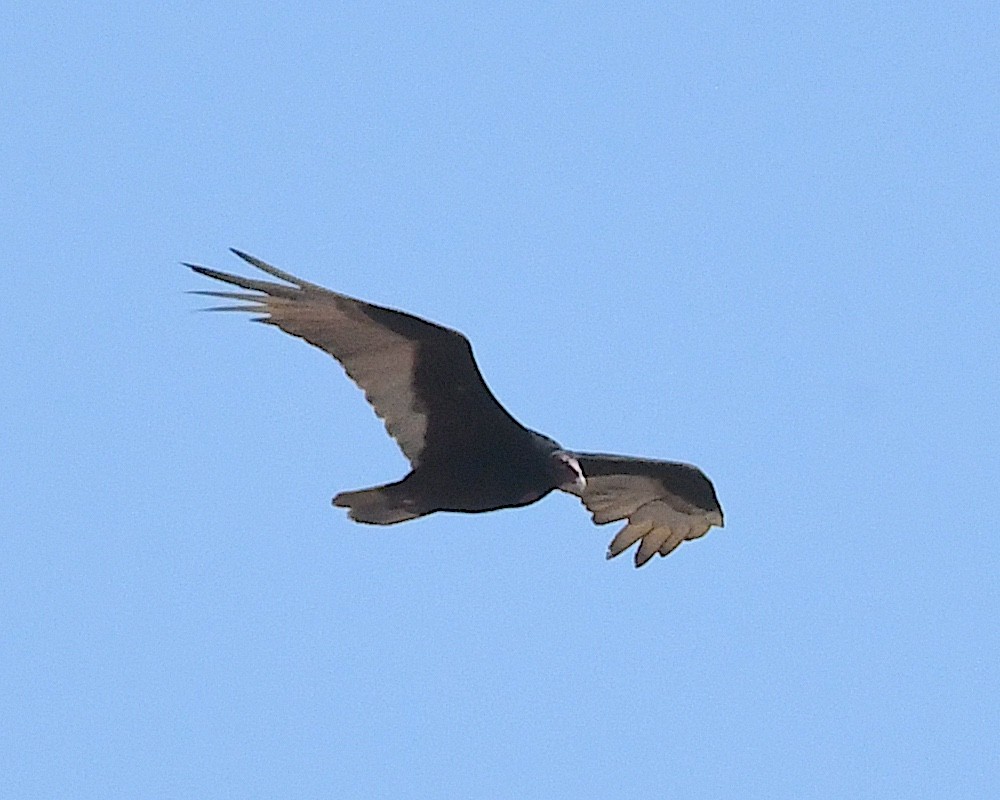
x=485 y=477
x=467 y=453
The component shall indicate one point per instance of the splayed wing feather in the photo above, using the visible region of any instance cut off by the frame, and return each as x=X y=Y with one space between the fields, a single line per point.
x=658 y=517
x=628 y=536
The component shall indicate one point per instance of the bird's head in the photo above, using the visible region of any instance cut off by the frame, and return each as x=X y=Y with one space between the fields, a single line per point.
x=566 y=472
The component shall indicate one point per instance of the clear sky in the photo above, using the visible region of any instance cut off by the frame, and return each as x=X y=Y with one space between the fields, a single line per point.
x=762 y=238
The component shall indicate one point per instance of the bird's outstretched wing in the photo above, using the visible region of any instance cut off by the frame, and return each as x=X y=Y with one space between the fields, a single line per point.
x=665 y=502
x=421 y=378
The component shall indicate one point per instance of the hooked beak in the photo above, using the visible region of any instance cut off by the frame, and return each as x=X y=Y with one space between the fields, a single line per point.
x=575 y=482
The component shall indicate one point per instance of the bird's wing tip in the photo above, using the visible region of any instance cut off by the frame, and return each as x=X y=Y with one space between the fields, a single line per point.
x=273 y=271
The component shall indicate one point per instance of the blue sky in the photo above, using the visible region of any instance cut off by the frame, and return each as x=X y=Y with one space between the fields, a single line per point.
x=759 y=238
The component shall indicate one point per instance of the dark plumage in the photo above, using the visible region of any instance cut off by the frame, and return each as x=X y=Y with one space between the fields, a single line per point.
x=466 y=451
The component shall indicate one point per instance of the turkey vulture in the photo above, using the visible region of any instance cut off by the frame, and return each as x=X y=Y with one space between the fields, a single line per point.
x=466 y=451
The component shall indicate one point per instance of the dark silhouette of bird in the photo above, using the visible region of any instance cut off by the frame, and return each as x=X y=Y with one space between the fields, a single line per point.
x=466 y=451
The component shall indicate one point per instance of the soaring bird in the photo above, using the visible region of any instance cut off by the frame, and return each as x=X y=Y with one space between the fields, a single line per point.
x=466 y=452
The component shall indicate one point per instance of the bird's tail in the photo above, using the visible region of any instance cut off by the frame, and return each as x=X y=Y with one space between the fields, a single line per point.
x=380 y=505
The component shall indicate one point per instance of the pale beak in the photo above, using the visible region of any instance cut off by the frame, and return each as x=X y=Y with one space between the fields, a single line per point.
x=578 y=483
